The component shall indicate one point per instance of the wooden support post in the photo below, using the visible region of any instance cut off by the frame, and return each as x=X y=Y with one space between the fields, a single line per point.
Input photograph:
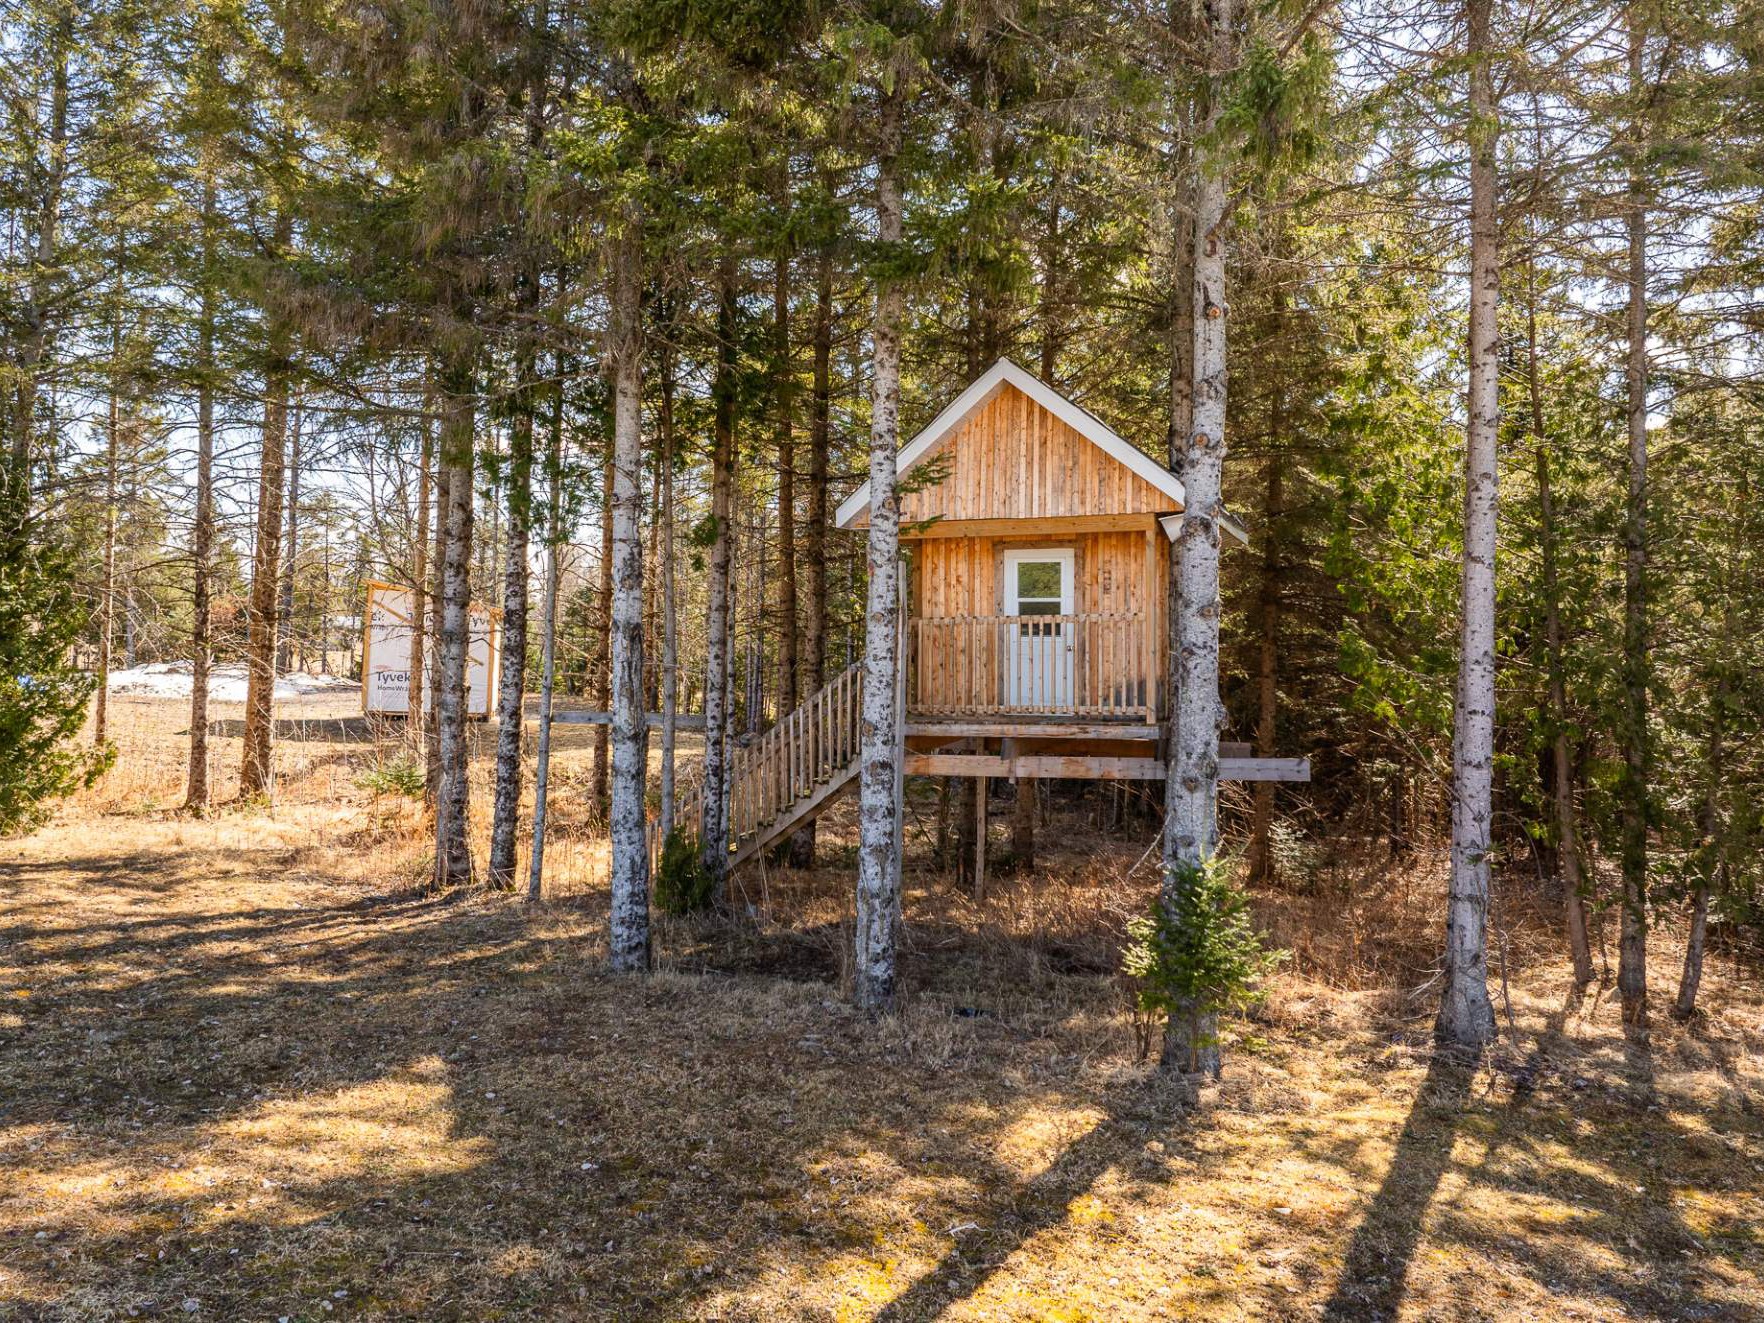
x=980 y=839
x=1149 y=651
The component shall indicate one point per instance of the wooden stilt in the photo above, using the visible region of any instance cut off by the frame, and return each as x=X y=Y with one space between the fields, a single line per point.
x=980 y=839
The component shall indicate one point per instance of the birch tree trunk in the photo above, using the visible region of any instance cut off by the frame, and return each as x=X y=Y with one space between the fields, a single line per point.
x=878 y=878
x=256 y=771
x=1192 y=784
x=196 y=795
x=511 y=698
x=714 y=825
x=453 y=855
x=1466 y=1016
x=1632 y=948
x=505 y=813
x=670 y=659
x=600 y=789
x=554 y=534
x=629 y=936
x=419 y=596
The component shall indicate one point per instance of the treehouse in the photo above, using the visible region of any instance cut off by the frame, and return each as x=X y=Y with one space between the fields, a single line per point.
x=1038 y=568
x=1036 y=620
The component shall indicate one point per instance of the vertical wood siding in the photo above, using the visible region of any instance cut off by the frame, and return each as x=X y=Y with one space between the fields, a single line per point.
x=1015 y=460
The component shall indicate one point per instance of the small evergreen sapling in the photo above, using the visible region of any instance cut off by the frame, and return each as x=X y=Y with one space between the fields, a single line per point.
x=683 y=884
x=43 y=693
x=1196 y=955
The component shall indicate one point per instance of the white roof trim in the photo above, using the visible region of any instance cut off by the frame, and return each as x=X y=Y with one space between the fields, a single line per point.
x=1172 y=525
x=1006 y=373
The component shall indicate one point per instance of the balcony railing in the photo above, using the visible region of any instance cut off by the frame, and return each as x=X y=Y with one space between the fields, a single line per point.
x=1076 y=665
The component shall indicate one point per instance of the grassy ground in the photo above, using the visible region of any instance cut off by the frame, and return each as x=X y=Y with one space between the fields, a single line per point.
x=248 y=1072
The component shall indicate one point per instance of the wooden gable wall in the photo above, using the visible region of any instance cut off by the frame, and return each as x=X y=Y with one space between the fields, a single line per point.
x=1014 y=460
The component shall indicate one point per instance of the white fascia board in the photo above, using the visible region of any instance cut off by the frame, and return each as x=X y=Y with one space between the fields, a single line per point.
x=1172 y=525
x=1006 y=373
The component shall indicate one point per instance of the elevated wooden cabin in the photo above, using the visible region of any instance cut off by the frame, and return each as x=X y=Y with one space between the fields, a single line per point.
x=1039 y=567
x=1037 y=622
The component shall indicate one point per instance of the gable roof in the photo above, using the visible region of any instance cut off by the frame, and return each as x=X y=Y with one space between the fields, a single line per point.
x=1006 y=373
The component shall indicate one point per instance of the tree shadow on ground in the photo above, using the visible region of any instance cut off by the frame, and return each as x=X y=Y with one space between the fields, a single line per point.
x=429 y=1105
x=1375 y=1271
x=1021 y=1210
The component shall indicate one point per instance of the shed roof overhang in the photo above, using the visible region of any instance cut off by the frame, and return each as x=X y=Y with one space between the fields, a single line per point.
x=1006 y=373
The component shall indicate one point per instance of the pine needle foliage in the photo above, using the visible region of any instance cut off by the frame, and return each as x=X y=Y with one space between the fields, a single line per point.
x=43 y=695
x=683 y=885
x=1196 y=955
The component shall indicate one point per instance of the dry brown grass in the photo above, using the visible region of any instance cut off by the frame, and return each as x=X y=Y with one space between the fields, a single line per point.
x=247 y=1070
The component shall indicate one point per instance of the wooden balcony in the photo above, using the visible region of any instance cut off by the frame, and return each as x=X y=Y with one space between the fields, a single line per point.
x=1093 y=666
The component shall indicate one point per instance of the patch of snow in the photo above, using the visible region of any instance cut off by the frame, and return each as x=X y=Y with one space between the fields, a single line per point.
x=227 y=682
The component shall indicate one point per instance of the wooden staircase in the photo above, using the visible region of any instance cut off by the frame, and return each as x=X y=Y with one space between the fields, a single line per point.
x=790 y=773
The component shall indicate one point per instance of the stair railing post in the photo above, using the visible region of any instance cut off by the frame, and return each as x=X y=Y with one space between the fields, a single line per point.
x=900 y=681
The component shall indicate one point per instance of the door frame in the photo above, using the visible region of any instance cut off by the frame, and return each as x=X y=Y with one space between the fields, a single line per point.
x=1010 y=605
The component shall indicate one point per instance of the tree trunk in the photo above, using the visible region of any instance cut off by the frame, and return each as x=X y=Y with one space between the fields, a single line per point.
x=600 y=792
x=1715 y=864
x=967 y=819
x=629 y=921
x=511 y=698
x=1466 y=1016
x=1023 y=825
x=453 y=854
x=196 y=796
x=257 y=770
x=1561 y=764
x=419 y=593
x=34 y=337
x=784 y=400
x=1052 y=283
x=1632 y=957
x=714 y=827
x=554 y=536
x=811 y=657
x=1192 y=785
x=107 y=590
x=437 y=612
x=670 y=660
x=1261 y=857
x=291 y=546
x=879 y=815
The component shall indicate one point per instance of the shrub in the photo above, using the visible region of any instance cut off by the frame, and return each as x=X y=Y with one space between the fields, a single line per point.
x=1196 y=955
x=683 y=885
x=401 y=776
x=43 y=695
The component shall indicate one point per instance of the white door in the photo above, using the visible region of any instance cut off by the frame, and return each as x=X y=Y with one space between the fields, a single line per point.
x=1038 y=653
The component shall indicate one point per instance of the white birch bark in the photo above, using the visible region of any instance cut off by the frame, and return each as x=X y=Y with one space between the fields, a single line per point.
x=670 y=660
x=878 y=879
x=1466 y=1016
x=1192 y=784
x=714 y=820
x=453 y=856
x=629 y=920
x=505 y=812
